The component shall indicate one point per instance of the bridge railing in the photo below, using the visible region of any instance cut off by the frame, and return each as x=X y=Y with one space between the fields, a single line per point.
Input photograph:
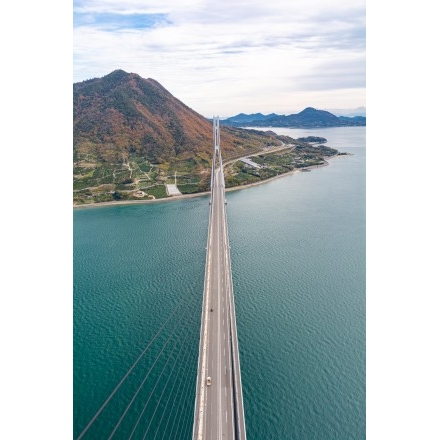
x=238 y=395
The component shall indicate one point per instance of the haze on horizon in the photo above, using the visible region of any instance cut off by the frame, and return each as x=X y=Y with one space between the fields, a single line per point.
x=230 y=57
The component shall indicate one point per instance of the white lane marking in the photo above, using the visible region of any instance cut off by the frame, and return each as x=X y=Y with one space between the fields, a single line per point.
x=205 y=330
x=219 y=268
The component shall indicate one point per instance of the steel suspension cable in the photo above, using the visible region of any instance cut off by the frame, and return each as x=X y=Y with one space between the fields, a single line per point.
x=157 y=381
x=160 y=398
x=128 y=372
x=186 y=384
x=172 y=388
x=178 y=395
x=188 y=330
x=141 y=385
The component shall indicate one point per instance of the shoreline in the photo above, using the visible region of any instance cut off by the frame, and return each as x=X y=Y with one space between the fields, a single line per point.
x=201 y=194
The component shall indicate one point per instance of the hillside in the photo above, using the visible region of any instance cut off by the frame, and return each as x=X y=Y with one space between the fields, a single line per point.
x=122 y=114
x=308 y=118
x=130 y=134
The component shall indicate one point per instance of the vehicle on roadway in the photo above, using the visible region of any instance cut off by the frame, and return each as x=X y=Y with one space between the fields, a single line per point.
x=208 y=380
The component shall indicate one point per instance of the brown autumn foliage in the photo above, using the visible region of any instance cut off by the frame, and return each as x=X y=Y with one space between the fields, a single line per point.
x=122 y=114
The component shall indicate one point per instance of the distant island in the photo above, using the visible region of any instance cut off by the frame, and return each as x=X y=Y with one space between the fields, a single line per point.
x=133 y=141
x=308 y=118
x=312 y=139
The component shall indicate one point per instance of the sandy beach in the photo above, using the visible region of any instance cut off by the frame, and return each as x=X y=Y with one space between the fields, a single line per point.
x=187 y=196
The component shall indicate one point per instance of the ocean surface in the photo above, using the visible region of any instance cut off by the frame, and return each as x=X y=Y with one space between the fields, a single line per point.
x=298 y=262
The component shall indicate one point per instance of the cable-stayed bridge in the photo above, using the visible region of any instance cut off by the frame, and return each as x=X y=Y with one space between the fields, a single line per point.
x=151 y=400
x=219 y=410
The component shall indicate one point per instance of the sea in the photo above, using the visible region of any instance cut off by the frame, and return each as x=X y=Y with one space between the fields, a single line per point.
x=298 y=257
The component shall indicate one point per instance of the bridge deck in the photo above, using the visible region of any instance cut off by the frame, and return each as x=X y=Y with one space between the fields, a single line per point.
x=219 y=409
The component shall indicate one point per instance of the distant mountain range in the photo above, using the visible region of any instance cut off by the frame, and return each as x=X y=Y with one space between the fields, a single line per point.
x=308 y=118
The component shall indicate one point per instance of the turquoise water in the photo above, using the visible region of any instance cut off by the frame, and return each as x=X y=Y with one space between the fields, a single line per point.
x=298 y=262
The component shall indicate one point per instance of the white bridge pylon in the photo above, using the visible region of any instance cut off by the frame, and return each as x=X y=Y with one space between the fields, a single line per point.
x=216 y=127
x=217 y=152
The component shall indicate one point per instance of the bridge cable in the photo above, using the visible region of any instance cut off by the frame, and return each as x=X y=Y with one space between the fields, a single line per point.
x=186 y=387
x=178 y=396
x=160 y=398
x=176 y=376
x=187 y=380
x=181 y=379
x=128 y=372
x=189 y=305
x=189 y=420
x=140 y=386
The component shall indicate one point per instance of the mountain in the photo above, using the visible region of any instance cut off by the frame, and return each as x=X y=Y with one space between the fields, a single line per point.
x=131 y=137
x=308 y=118
x=122 y=114
x=241 y=118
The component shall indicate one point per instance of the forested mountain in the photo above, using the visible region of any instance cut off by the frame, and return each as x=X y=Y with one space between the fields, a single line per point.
x=131 y=136
x=123 y=114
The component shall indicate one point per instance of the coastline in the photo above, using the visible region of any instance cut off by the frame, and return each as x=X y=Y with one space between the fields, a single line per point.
x=187 y=196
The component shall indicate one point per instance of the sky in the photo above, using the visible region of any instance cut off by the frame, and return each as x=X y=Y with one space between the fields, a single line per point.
x=230 y=56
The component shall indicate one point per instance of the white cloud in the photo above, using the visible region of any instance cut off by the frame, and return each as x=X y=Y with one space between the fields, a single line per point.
x=133 y=6
x=227 y=57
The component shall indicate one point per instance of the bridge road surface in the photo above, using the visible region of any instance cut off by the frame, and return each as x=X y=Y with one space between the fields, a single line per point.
x=219 y=409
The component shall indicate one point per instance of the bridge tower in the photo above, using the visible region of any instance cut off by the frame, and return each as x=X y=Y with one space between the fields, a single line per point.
x=216 y=127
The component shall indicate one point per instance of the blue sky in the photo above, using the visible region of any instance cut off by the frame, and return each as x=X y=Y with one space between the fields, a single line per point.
x=226 y=57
